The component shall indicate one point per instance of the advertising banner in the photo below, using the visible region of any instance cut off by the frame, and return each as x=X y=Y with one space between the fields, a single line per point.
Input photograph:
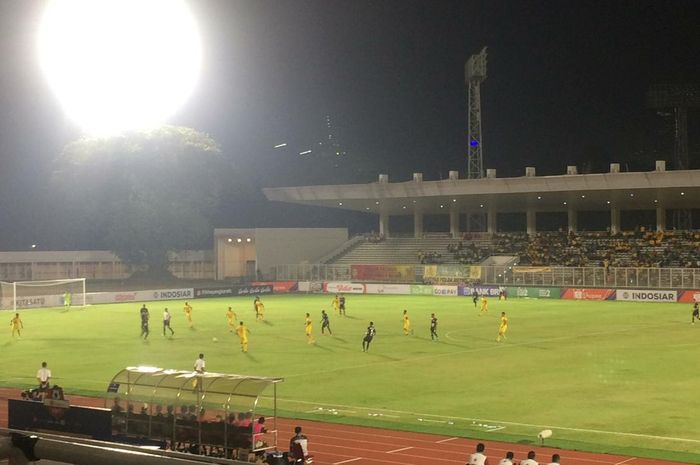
x=335 y=287
x=646 y=295
x=445 y=290
x=689 y=297
x=491 y=291
x=403 y=289
x=227 y=291
x=453 y=272
x=138 y=296
x=383 y=272
x=279 y=287
x=534 y=292
x=34 y=301
x=420 y=289
x=588 y=294
x=532 y=269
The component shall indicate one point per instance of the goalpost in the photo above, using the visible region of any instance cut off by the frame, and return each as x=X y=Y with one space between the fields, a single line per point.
x=35 y=294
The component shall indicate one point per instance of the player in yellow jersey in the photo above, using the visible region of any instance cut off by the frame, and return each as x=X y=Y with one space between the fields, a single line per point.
x=309 y=328
x=188 y=313
x=243 y=333
x=484 y=305
x=336 y=303
x=16 y=325
x=259 y=309
x=406 y=324
x=231 y=317
x=502 y=327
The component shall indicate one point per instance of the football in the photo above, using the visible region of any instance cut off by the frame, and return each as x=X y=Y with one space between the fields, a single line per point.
x=215 y=339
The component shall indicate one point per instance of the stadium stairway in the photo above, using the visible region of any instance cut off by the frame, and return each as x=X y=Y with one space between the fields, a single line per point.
x=402 y=250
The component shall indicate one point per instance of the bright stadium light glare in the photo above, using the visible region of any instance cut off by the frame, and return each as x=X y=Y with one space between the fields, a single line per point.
x=119 y=65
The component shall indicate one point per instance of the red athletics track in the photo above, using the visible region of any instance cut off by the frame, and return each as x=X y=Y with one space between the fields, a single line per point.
x=333 y=444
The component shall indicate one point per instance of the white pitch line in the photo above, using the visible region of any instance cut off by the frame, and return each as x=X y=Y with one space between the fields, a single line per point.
x=513 y=423
x=626 y=461
x=441 y=441
x=399 y=450
x=348 y=461
x=498 y=428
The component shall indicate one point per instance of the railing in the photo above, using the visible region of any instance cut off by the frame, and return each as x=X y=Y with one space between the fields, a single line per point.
x=644 y=278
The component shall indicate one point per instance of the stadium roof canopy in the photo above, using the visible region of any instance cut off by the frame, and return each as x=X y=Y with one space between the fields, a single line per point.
x=584 y=192
x=571 y=193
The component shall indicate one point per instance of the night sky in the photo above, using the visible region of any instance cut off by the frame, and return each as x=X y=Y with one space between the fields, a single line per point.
x=566 y=85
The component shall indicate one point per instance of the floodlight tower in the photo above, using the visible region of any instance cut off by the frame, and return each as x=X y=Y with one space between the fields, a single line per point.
x=474 y=75
x=680 y=97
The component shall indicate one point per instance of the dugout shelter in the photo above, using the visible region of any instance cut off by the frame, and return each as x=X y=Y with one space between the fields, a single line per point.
x=213 y=413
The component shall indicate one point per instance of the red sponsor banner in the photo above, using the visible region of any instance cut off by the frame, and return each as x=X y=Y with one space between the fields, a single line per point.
x=688 y=297
x=335 y=287
x=588 y=294
x=383 y=272
x=278 y=287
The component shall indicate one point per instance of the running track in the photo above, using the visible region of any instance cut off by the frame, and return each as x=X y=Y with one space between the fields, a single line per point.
x=333 y=444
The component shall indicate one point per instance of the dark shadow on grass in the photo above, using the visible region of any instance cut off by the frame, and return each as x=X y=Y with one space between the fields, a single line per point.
x=268 y=323
x=344 y=341
x=349 y=317
x=252 y=359
x=327 y=349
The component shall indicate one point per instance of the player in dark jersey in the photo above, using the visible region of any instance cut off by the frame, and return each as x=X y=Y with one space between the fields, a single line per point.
x=475 y=297
x=433 y=327
x=325 y=323
x=369 y=335
x=144 y=321
x=696 y=313
x=341 y=305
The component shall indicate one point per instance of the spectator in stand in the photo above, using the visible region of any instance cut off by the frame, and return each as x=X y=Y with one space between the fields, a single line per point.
x=555 y=460
x=530 y=459
x=508 y=460
x=478 y=457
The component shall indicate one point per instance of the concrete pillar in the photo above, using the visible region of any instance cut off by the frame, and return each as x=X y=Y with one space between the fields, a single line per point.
x=491 y=223
x=417 y=224
x=614 y=220
x=660 y=219
x=454 y=220
x=573 y=219
x=531 y=219
x=384 y=224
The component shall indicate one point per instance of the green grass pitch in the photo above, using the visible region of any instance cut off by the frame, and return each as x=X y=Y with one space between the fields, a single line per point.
x=604 y=376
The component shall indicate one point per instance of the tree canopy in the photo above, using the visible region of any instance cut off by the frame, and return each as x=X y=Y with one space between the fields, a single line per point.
x=140 y=194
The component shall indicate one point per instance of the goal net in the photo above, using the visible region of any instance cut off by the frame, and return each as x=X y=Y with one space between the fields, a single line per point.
x=35 y=294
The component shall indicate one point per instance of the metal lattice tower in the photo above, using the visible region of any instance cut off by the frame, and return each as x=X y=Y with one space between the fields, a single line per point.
x=679 y=97
x=474 y=75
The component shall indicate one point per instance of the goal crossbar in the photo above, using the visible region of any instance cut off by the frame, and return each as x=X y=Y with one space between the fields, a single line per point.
x=72 y=287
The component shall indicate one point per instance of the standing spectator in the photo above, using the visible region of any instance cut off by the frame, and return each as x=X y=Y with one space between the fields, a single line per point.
x=530 y=459
x=144 y=321
x=555 y=460
x=166 y=322
x=43 y=375
x=299 y=448
x=478 y=457
x=200 y=364
x=508 y=460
